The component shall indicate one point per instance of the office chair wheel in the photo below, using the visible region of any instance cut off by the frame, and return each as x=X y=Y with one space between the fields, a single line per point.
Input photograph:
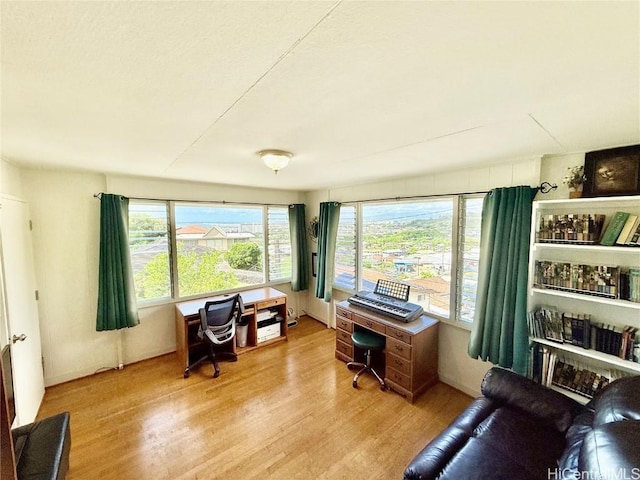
x=186 y=373
x=355 y=384
x=383 y=388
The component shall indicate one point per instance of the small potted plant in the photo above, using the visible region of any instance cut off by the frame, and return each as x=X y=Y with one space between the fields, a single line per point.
x=574 y=179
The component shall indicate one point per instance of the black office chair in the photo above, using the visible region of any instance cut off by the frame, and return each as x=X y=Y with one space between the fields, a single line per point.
x=369 y=342
x=218 y=326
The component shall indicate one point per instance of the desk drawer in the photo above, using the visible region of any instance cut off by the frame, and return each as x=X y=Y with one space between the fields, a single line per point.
x=401 y=365
x=343 y=335
x=344 y=324
x=370 y=324
x=403 y=380
x=399 y=335
x=270 y=303
x=400 y=349
x=344 y=313
x=345 y=349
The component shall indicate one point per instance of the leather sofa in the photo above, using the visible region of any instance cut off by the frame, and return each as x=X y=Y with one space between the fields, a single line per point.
x=520 y=429
x=42 y=448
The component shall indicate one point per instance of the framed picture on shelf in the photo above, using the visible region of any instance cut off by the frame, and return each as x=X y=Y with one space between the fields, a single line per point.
x=615 y=171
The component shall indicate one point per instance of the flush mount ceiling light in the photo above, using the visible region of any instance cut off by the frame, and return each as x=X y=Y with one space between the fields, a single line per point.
x=275 y=159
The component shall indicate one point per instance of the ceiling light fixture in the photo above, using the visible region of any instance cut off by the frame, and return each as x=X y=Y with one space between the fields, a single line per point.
x=275 y=159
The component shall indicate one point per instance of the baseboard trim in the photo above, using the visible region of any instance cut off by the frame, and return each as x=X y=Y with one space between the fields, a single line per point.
x=459 y=386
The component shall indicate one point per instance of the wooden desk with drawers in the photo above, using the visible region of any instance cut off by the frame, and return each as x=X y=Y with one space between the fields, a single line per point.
x=411 y=351
x=189 y=347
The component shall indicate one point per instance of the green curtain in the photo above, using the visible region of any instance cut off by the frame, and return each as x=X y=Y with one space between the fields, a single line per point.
x=299 y=253
x=499 y=333
x=116 y=292
x=327 y=233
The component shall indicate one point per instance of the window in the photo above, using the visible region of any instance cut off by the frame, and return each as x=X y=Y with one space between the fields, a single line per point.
x=345 y=259
x=469 y=255
x=149 y=249
x=410 y=242
x=217 y=247
x=278 y=243
x=424 y=243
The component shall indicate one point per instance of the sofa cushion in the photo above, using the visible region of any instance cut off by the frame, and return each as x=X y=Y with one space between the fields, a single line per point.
x=568 y=463
x=520 y=392
x=490 y=440
x=620 y=400
x=433 y=457
x=611 y=451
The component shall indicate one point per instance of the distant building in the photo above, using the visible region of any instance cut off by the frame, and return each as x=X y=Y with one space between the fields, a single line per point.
x=220 y=240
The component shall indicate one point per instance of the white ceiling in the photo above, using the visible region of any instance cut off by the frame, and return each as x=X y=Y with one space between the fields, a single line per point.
x=358 y=90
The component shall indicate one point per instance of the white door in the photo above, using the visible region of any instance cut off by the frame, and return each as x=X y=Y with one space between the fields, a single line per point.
x=21 y=308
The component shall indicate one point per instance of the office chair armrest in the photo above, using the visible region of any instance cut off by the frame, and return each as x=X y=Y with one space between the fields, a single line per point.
x=221 y=339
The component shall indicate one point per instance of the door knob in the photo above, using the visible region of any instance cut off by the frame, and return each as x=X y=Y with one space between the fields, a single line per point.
x=20 y=338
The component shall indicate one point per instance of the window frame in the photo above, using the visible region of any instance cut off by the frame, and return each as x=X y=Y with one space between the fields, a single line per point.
x=173 y=258
x=458 y=204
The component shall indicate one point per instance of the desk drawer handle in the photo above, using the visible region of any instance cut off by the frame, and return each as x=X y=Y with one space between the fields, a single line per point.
x=399 y=335
x=398 y=362
x=369 y=324
x=400 y=348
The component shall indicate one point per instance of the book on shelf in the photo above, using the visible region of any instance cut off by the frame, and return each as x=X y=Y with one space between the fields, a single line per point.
x=570 y=228
x=634 y=285
x=580 y=330
x=635 y=236
x=583 y=381
x=577 y=329
x=612 y=232
x=600 y=280
x=620 y=342
x=628 y=229
x=546 y=322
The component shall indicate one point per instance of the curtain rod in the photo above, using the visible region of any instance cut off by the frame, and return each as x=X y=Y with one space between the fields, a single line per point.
x=223 y=202
x=545 y=187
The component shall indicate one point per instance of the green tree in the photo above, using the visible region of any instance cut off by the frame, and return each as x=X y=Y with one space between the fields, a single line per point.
x=201 y=273
x=153 y=280
x=197 y=273
x=244 y=256
x=144 y=228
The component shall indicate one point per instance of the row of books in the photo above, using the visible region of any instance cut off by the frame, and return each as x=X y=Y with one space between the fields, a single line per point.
x=579 y=380
x=601 y=280
x=570 y=228
x=623 y=229
x=630 y=285
x=579 y=330
x=548 y=368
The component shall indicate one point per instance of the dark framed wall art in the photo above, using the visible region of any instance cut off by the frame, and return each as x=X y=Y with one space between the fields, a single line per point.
x=615 y=171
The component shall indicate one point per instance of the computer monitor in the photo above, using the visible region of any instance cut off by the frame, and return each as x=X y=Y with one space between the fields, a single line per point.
x=7 y=379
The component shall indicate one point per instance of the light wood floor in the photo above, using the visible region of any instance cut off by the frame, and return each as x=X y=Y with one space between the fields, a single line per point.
x=284 y=412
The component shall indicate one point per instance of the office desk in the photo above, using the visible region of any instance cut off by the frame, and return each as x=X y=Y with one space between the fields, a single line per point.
x=411 y=352
x=189 y=347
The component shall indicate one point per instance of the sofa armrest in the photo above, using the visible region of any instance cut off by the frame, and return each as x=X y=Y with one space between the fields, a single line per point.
x=433 y=458
x=42 y=448
x=519 y=392
x=612 y=449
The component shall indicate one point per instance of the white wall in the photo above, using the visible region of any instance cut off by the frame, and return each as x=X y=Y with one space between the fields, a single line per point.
x=553 y=169
x=10 y=181
x=66 y=220
x=455 y=367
